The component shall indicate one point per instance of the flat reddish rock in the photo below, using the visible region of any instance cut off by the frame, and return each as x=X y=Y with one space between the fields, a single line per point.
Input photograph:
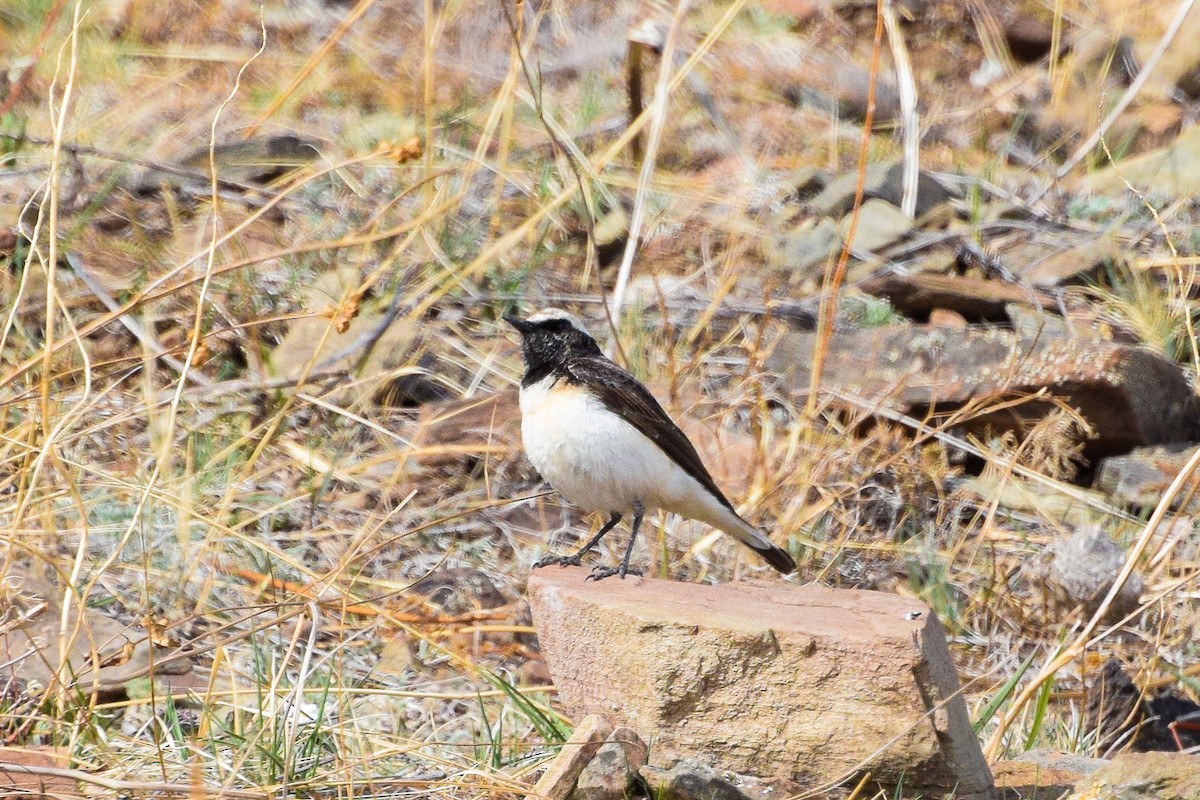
x=559 y=778
x=804 y=685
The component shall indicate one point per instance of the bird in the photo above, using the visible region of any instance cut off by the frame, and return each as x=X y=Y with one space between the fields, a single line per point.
x=599 y=437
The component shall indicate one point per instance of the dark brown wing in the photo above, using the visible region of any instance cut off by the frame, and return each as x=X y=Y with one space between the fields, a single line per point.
x=623 y=395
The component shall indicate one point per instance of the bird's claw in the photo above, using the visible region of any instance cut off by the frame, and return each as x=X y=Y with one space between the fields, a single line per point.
x=562 y=561
x=600 y=573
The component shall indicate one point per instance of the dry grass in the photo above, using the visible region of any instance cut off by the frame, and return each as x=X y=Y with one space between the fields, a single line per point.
x=171 y=461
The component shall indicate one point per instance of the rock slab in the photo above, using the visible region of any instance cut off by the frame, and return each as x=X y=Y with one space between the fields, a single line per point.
x=1143 y=776
x=559 y=779
x=802 y=684
x=612 y=774
x=1130 y=396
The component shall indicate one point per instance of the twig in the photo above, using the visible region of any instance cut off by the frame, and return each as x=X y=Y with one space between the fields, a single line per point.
x=150 y=164
x=140 y=333
x=657 y=121
x=633 y=77
x=909 y=118
x=835 y=276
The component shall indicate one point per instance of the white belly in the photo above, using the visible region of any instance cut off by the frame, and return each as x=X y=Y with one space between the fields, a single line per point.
x=599 y=462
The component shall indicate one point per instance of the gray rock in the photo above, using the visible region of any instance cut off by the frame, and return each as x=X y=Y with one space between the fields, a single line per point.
x=1069 y=762
x=1168 y=170
x=458 y=590
x=1042 y=260
x=879 y=224
x=800 y=249
x=805 y=182
x=637 y=753
x=690 y=781
x=1083 y=568
x=842 y=88
x=1042 y=774
x=884 y=181
x=1141 y=477
x=560 y=777
x=613 y=772
x=1030 y=323
x=1143 y=776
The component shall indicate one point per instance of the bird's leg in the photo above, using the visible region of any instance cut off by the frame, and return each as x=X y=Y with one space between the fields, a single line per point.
x=573 y=560
x=600 y=573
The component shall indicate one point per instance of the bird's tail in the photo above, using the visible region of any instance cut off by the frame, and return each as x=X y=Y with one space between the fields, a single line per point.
x=753 y=538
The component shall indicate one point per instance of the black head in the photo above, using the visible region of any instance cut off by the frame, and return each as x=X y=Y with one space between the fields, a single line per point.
x=549 y=338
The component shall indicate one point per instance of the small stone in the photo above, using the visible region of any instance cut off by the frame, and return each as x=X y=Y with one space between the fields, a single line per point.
x=1029 y=323
x=559 y=778
x=841 y=88
x=637 y=753
x=1141 y=477
x=809 y=245
x=884 y=181
x=1164 y=171
x=459 y=590
x=879 y=224
x=690 y=781
x=1083 y=568
x=945 y=318
x=534 y=672
x=614 y=770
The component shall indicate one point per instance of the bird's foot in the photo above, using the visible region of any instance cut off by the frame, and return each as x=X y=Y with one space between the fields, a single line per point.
x=563 y=561
x=600 y=573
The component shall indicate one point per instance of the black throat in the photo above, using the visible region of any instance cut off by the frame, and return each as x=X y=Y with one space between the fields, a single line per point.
x=549 y=347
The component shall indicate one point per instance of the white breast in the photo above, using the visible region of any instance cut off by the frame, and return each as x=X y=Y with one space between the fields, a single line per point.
x=600 y=462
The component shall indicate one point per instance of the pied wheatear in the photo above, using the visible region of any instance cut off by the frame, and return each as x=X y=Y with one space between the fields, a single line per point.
x=606 y=445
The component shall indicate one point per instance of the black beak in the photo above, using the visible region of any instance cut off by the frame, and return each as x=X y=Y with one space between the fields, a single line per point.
x=521 y=325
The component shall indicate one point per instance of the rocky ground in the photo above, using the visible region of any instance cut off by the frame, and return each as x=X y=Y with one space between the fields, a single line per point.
x=267 y=525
